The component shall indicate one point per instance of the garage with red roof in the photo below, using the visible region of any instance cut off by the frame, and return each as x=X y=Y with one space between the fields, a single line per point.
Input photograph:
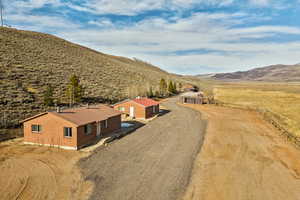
x=140 y=107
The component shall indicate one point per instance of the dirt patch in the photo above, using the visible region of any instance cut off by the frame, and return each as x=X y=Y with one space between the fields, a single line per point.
x=154 y=162
x=243 y=157
x=38 y=173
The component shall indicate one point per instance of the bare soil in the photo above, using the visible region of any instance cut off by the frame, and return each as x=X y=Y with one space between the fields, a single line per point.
x=243 y=157
x=35 y=172
x=154 y=162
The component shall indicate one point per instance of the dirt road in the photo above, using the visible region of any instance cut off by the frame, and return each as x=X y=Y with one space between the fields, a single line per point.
x=242 y=158
x=36 y=173
x=154 y=162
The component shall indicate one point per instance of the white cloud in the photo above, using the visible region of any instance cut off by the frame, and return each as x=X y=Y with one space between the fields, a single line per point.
x=134 y=7
x=260 y=2
x=103 y=22
x=156 y=40
x=26 y=6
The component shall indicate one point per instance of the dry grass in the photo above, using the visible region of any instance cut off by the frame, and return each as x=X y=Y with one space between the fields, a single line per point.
x=243 y=157
x=29 y=61
x=283 y=99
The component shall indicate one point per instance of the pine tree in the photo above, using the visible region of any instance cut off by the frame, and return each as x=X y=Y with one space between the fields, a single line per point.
x=163 y=87
x=75 y=91
x=48 y=96
x=170 y=87
x=150 y=93
x=175 y=88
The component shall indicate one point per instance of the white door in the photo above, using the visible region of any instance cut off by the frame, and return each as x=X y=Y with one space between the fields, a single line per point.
x=98 y=128
x=131 y=111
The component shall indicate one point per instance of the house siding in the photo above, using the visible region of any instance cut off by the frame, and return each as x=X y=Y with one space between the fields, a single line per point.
x=139 y=110
x=83 y=138
x=114 y=124
x=52 y=131
x=150 y=113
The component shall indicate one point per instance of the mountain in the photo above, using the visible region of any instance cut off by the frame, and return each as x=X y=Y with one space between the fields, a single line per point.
x=29 y=61
x=276 y=73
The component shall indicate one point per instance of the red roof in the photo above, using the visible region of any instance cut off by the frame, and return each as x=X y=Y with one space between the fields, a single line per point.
x=146 y=102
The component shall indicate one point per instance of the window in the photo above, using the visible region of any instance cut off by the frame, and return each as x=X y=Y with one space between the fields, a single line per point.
x=106 y=124
x=154 y=109
x=121 y=109
x=67 y=132
x=36 y=128
x=88 y=129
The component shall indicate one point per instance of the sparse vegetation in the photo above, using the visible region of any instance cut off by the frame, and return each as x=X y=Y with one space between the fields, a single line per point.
x=282 y=99
x=48 y=96
x=163 y=87
x=29 y=61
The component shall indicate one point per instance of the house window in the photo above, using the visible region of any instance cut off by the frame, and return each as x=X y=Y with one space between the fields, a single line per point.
x=36 y=128
x=88 y=129
x=121 y=109
x=67 y=132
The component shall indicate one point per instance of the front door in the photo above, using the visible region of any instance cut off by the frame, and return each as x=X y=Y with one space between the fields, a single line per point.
x=131 y=111
x=98 y=128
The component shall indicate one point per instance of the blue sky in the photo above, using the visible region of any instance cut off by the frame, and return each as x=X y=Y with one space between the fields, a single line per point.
x=180 y=36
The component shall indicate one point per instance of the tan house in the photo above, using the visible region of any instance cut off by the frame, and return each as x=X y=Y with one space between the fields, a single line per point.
x=140 y=107
x=71 y=128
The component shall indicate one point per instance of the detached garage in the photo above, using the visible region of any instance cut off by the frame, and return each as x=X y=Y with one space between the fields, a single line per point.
x=140 y=107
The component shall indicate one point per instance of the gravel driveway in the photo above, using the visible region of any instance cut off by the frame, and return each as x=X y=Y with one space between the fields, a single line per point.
x=154 y=162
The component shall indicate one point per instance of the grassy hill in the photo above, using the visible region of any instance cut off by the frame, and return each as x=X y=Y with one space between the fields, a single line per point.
x=29 y=61
x=278 y=73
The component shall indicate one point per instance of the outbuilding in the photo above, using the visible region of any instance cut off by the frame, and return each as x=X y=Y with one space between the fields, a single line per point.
x=71 y=128
x=192 y=98
x=140 y=107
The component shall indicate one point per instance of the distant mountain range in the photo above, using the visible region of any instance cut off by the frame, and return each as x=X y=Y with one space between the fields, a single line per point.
x=276 y=73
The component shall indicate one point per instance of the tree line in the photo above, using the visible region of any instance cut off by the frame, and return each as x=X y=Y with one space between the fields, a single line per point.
x=165 y=89
x=75 y=91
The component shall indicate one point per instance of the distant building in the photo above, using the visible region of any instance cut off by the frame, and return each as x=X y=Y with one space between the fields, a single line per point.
x=71 y=128
x=140 y=107
x=190 y=88
x=193 y=98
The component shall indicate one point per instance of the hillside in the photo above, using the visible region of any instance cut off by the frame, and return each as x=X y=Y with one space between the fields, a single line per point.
x=29 y=61
x=277 y=73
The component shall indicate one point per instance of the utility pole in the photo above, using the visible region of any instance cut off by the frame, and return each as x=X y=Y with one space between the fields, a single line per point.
x=1 y=12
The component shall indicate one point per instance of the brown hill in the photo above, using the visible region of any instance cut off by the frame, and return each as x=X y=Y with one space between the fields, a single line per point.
x=277 y=73
x=29 y=61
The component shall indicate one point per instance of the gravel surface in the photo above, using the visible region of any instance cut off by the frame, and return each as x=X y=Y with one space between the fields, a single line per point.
x=154 y=162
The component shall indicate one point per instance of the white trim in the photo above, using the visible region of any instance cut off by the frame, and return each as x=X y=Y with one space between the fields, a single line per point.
x=98 y=128
x=50 y=145
x=131 y=111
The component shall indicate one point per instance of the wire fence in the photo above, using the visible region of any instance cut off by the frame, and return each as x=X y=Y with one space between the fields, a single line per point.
x=270 y=117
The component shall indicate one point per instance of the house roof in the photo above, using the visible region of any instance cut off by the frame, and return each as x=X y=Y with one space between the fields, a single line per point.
x=83 y=115
x=146 y=102
x=193 y=94
x=143 y=101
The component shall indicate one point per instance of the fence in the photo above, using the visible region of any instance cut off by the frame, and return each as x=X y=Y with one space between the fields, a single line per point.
x=270 y=117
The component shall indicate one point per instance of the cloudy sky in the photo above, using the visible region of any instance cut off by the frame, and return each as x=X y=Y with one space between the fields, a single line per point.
x=180 y=36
